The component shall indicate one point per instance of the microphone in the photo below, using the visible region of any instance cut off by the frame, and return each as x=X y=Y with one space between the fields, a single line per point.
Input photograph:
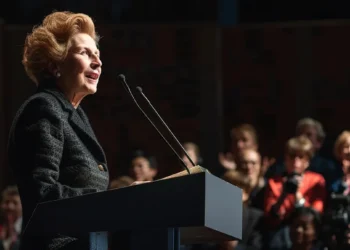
x=121 y=77
x=169 y=130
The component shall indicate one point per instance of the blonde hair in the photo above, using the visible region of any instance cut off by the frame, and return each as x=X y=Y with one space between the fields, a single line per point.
x=48 y=43
x=309 y=122
x=339 y=143
x=245 y=127
x=192 y=146
x=239 y=179
x=11 y=190
x=299 y=144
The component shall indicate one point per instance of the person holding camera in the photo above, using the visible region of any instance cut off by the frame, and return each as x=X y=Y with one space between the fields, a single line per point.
x=295 y=188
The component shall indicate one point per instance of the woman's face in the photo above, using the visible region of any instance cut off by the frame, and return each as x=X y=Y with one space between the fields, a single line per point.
x=81 y=69
x=141 y=169
x=192 y=155
x=345 y=150
x=297 y=162
x=302 y=230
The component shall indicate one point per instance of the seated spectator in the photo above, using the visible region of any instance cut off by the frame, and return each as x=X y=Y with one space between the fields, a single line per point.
x=252 y=217
x=249 y=163
x=296 y=187
x=342 y=154
x=11 y=224
x=193 y=152
x=305 y=229
x=143 y=167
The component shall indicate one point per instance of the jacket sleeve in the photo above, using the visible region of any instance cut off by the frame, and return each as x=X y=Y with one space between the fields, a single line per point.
x=318 y=195
x=39 y=139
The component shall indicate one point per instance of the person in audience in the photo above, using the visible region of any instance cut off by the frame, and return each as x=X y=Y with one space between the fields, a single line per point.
x=143 y=167
x=249 y=163
x=342 y=154
x=296 y=187
x=305 y=229
x=313 y=130
x=243 y=137
x=11 y=224
x=121 y=181
x=52 y=148
x=252 y=217
x=193 y=152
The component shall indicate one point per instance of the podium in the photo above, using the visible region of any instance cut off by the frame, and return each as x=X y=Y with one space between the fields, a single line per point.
x=163 y=214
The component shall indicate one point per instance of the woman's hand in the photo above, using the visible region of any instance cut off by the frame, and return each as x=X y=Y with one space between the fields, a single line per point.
x=226 y=160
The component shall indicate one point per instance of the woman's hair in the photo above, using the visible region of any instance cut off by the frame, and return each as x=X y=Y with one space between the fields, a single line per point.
x=339 y=143
x=308 y=211
x=140 y=153
x=245 y=127
x=48 y=43
x=299 y=144
x=11 y=190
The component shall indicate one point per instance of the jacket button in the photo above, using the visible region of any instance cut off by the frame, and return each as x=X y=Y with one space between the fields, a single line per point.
x=100 y=167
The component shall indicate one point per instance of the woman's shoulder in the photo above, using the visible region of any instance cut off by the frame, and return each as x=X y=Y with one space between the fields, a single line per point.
x=37 y=106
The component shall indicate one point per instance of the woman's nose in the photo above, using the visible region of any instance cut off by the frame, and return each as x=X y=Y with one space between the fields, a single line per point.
x=96 y=63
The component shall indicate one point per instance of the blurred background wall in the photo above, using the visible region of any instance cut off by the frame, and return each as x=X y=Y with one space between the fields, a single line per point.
x=205 y=66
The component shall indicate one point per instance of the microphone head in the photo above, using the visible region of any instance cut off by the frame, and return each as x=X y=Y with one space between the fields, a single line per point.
x=139 y=89
x=121 y=77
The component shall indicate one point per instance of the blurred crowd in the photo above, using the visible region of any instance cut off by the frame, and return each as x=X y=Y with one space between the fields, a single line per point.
x=299 y=202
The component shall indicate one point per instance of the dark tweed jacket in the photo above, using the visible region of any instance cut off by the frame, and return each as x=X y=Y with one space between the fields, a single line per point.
x=54 y=154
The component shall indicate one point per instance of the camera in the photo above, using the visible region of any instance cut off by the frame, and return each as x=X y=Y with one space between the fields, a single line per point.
x=337 y=218
x=291 y=184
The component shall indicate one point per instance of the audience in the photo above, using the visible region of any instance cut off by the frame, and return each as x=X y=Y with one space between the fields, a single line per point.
x=286 y=206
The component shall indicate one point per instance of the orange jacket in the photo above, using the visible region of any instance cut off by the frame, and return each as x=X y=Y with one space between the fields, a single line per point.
x=312 y=188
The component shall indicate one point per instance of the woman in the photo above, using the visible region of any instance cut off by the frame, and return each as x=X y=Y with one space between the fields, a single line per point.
x=342 y=153
x=53 y=150
x=304 y=229
x=143 y=167
x=297 y=187
x=193 y=152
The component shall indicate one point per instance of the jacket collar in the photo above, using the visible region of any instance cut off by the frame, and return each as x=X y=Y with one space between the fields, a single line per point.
x=76 y=117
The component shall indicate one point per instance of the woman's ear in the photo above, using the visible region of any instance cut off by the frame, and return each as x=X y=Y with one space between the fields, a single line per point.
x=53 y=69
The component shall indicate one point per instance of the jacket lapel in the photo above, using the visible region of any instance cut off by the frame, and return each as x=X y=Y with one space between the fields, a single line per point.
x=86 y=134
x=79 y=122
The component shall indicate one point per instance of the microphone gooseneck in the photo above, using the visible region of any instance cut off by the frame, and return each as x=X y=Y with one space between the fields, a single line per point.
x=169 y=130
x=122 y=78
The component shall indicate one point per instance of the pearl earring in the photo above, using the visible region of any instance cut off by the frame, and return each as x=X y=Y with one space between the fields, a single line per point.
x=58 y=74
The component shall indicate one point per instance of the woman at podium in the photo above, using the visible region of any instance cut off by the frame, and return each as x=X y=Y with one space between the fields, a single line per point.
x=53 y=150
